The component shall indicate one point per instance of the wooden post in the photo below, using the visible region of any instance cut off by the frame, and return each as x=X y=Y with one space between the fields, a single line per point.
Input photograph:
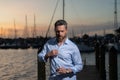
x=41 y=65
x=102 y=62
x=113 y=74
x=41 y=71
x=41 y=68
x=97 y=55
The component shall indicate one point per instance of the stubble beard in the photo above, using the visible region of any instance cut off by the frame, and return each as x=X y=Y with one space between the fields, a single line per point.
x=61 y=38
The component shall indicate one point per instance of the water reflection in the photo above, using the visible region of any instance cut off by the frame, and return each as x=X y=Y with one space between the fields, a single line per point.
x=18 y=64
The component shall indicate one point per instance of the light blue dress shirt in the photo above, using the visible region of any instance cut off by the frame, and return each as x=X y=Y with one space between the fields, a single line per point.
x=68 y=57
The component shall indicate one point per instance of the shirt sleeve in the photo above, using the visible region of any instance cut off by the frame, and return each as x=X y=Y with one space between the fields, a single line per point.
x=42 y=54
x=77 y=61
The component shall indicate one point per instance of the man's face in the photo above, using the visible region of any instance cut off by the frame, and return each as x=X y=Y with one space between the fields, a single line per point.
x=61 y=32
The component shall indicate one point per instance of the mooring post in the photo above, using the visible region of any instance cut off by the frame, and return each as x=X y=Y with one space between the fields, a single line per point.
x=97 y=55
x=102 y=69
x=41 y=71
x=41 y=65
x=41 y=68
x=113 y=74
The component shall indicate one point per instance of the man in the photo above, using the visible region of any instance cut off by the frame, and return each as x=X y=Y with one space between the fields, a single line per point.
x=65 y=58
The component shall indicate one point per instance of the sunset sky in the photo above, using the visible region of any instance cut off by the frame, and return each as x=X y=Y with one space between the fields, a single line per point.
x=83 y=16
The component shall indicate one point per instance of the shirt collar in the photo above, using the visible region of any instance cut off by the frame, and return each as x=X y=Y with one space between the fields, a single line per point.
x=66 y=41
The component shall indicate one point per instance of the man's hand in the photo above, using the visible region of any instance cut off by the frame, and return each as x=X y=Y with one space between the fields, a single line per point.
x=63 y=70
x=51 y=54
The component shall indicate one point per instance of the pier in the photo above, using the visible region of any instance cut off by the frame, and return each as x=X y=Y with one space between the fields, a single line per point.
x=89 y=72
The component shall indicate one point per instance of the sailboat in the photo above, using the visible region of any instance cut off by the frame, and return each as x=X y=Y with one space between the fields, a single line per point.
x=12 y=45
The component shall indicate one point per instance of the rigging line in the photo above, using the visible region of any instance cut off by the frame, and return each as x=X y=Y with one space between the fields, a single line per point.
x=52 y=18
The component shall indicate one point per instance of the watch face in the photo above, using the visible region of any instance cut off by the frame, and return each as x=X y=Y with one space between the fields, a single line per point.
x=67 y=71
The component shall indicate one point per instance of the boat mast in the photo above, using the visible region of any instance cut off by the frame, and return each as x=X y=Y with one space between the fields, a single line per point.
x=26 y=28
x=115 y=15
x=15 y=29
x=63 y=9
x=34 y=28
x=1 y=35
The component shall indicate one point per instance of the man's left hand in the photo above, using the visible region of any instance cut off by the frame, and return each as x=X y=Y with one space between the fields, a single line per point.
x=63 y=70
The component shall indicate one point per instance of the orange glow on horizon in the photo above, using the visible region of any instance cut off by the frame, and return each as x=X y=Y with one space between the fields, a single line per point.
x=8 y=29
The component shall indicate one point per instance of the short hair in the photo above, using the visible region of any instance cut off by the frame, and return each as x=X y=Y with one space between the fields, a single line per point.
x=60 y=22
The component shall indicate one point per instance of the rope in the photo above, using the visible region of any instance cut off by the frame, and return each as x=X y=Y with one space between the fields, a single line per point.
x=52 y=19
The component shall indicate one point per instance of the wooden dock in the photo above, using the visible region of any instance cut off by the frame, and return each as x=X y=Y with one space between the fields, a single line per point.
x=89 y=72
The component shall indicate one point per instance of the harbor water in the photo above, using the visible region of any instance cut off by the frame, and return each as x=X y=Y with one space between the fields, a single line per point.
x=18 y=64
x=21 y=64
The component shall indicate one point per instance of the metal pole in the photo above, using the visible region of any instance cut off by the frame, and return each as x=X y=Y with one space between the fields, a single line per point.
x=115 y=15
x=63 y=9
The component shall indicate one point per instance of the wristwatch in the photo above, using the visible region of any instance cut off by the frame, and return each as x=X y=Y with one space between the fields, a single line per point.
x=67 y=71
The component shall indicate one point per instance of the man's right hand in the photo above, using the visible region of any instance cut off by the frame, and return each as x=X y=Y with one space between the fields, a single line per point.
x=51 y=54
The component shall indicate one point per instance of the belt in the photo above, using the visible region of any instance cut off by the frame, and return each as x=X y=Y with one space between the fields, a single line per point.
x=64 y=75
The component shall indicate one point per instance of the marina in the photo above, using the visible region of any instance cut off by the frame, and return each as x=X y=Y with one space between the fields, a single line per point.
x=91 y=28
